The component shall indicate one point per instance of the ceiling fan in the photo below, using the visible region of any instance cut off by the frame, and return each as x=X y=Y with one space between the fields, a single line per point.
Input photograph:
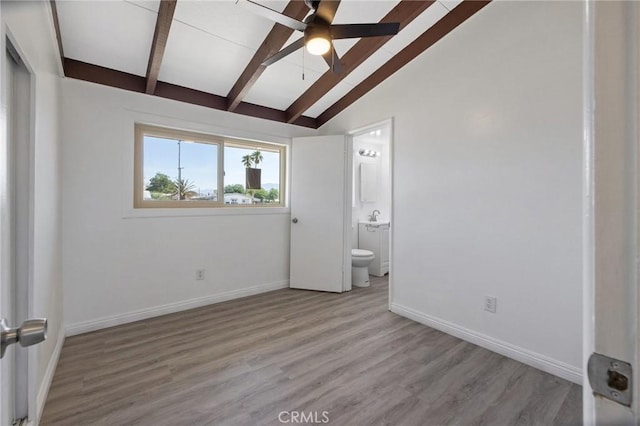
x=319 y=32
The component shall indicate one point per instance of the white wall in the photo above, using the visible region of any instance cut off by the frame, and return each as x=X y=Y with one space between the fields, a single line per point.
x=487 y=181
x=122 y=264
x=29 y=25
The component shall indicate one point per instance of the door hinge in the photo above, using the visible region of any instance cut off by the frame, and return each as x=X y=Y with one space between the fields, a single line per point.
x=610 y=378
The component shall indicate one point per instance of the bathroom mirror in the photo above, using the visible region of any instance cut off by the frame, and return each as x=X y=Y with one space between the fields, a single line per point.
x=368 y=182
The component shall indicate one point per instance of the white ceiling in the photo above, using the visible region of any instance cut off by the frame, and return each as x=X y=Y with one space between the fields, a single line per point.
x=112 y=34
x=211 y=42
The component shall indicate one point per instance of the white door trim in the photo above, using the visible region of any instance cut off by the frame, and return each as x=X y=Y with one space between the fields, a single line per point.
x=391 y=208
x=348 y=212
x=611 y=198
x=588 y=225
x=25 y=295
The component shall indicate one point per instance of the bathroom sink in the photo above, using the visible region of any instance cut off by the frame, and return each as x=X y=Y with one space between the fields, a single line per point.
x=378 y=222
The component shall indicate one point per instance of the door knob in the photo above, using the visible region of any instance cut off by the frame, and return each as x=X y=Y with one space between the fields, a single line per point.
x=294 y=220
x=31 y=332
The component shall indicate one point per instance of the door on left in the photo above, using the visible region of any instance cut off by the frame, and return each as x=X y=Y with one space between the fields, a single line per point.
x=16 y=183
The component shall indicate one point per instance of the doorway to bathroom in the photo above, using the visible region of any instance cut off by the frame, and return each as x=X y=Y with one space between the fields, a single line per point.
x=371 y=213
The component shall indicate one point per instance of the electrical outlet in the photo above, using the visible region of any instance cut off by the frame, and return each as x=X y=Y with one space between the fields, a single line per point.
x=199 y=274
x=490 y=304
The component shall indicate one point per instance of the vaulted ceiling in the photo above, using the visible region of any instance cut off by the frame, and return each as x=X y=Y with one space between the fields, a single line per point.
x=210 y=53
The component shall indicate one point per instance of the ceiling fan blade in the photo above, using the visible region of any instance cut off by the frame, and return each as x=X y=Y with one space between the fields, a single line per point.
x=364 y=30
x=327 y=9
x=332 y=59
x=284 y=52
x=278 y=17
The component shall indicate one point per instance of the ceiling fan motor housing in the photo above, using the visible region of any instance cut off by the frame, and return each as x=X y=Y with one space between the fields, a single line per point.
x=316 y=27
x=319 y=32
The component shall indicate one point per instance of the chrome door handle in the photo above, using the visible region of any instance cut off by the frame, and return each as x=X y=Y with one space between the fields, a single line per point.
x=31 y=332
x=294 y=220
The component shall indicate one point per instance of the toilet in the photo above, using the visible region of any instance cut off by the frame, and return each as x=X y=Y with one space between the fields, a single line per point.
x=360 y=260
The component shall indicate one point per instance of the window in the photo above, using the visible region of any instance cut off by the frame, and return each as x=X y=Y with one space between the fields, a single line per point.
x=175 y=168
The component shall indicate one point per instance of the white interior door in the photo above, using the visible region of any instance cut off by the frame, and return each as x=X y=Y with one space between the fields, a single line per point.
x=6 y=262
x=611 y=212
x=320 y=214
x=7 y=238
x=15 y=190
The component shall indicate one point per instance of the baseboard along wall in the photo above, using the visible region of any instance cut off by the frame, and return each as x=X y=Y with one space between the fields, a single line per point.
x=111 y=321
x=533 y=359
x=43 y=392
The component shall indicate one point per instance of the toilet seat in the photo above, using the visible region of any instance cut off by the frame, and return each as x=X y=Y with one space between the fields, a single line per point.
x=361 y=253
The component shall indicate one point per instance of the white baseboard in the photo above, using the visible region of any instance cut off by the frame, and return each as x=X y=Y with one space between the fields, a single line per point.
x=100 y=323
x=43 y=392
x=541 y=362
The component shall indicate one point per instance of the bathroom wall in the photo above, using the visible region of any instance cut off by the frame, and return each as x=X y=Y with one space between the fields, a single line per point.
x=378 y=142
x=487 y=181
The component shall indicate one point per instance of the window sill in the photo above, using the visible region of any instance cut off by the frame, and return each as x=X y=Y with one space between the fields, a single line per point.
x=142 y=213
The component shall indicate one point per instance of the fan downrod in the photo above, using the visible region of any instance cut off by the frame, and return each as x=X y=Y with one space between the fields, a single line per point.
x=312 y=4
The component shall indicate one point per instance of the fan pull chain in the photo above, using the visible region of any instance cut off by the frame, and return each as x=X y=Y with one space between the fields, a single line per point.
x=303 y=64
x=333 y=58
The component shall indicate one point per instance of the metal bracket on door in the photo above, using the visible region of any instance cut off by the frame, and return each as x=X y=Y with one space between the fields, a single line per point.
x=31 y=332
x=610 y=378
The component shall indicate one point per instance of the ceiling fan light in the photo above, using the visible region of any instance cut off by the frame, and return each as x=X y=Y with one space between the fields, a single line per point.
x=318 y=45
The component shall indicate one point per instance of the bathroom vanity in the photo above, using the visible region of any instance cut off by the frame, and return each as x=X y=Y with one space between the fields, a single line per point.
x=374 y=236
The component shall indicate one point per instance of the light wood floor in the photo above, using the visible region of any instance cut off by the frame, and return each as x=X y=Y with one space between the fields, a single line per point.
x=245 y=361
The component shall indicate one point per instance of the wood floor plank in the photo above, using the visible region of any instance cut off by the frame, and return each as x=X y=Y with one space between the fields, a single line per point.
x=323 y=382
x=246 y=361
x=533 y=398
x=570 y=413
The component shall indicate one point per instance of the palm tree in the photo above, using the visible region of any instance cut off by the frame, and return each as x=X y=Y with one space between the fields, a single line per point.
x=184 y=189
x=247 y=160
x=257 y=157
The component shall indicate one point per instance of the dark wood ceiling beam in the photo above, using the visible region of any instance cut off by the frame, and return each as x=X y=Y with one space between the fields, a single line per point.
x=160 y=36
x=404 y=12
x=271 y=45
x=101 y=75
x=444 y=26
x=135 y=83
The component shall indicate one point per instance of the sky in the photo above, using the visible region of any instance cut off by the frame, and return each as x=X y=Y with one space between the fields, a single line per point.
x=199 y=162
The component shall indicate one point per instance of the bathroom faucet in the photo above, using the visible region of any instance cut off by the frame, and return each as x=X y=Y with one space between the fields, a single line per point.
x=374 y=216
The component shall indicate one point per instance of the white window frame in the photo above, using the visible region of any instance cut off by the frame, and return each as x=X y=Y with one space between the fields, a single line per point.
x=142 y=130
